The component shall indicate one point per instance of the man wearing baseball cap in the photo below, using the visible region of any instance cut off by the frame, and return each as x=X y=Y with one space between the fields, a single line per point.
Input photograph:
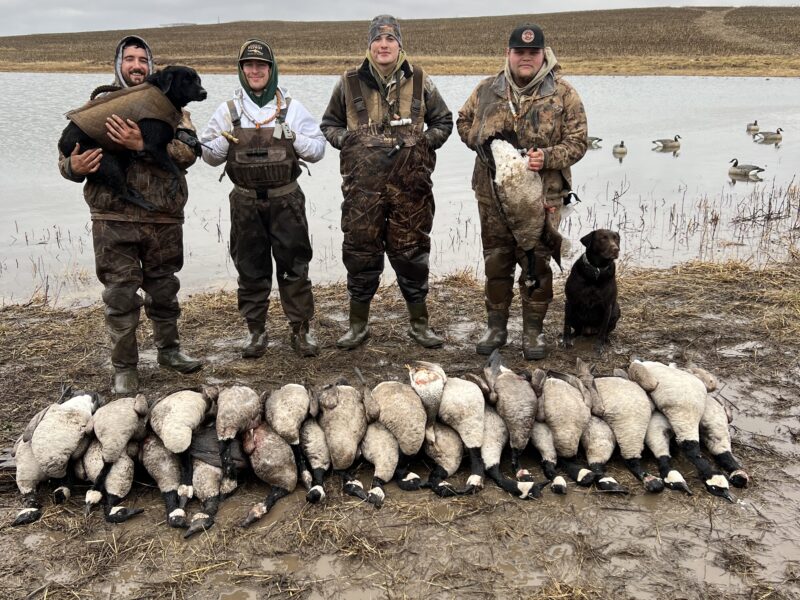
x=261 y=135
x=530 y=105
x=387 y=118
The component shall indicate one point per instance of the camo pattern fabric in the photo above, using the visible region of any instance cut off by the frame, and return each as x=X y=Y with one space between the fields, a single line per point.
x=129 y=256
x=156 y=185
x=260 y=230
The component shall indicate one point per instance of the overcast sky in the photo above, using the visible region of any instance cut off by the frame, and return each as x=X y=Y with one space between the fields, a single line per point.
x=21 y=17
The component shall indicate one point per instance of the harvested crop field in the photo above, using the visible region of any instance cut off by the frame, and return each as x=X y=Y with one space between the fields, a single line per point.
x=755 y=41
x=742 y=324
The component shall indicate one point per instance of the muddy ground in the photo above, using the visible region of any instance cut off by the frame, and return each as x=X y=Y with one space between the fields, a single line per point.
x=740 y=323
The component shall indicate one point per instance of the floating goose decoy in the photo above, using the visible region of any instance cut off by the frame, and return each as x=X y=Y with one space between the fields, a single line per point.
x=594 y=142
x=620 y=149
x=748 y=171
x=668 y=144
x=752 y=127
x=768 y=137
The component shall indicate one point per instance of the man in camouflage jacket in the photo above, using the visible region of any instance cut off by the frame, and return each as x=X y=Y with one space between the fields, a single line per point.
x=133 y=247
x=531 y=106
x=387 y=118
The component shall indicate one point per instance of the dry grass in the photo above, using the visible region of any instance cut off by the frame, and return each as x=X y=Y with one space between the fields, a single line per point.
x=736 y=41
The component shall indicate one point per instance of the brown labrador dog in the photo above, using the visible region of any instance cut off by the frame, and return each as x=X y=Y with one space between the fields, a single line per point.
x=590 y=294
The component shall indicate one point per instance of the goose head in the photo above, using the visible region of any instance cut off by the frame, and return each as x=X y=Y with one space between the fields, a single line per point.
x=717 y=485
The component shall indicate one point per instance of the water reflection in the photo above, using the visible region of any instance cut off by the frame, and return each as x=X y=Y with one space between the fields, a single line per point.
x=665 y=214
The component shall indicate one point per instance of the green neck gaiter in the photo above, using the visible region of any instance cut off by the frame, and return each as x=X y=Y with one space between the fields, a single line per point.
x=268 y=93
x=385 y=80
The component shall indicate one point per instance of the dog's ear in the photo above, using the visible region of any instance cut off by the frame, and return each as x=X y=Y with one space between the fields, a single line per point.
x=588 y=239
x=163 y=80
x=616 y=237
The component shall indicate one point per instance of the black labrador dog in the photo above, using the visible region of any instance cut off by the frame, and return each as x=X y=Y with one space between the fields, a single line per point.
x=590 y=294
x=180 y=85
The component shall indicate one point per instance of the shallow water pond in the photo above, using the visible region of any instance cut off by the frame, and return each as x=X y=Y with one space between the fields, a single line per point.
x=669 y=207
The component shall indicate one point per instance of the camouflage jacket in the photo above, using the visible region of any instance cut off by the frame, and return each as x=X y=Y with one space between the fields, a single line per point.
x=153 y=183
x=553 y=121
x=335 y=125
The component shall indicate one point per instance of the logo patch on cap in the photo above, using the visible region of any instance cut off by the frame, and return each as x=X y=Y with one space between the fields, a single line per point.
x=256 y=49
x=527 y=36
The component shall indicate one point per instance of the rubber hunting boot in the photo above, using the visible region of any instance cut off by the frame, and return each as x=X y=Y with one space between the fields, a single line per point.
x=303 y=340
x=126 y=381
x=533 y=346
x=165 y=335
x=419 y=331
x=496 y=334
x=359 y=326
x=256 y=342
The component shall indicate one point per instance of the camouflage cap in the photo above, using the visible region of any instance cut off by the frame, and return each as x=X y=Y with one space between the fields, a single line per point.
x=255 y=49
x=384 y=24
x=528 y=35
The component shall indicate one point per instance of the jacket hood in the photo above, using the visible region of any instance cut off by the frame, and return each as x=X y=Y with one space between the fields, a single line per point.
x=118 y=80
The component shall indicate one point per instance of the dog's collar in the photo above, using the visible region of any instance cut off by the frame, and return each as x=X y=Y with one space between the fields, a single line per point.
x=596 y=272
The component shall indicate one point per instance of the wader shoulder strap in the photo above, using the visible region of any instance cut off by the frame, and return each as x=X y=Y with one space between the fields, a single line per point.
x=354 y=85
x=284 y=109
x=416 y=94
x=236 y=120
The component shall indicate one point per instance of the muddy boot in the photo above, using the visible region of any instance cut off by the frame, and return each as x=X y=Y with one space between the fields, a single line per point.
x=126 y=381
x=496 y=333
x=256 y=342
x=303 y=341
x=419 y=331
x=359 y=326
x=165 y=335
x=533 y=346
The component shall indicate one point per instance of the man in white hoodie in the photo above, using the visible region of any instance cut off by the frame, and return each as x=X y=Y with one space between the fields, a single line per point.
x=261 y=135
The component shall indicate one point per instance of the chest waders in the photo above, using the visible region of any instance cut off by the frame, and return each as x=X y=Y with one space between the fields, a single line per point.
x=268 y=220
x=388 y=207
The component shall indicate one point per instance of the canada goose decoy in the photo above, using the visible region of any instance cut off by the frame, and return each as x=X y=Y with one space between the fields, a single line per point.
x=743 y=171
x=752 y=127
x=768 y=137
x=594 y=142
x=668 y=144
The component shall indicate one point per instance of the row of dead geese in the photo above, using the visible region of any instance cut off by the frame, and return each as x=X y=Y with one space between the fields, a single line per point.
x=197 y=443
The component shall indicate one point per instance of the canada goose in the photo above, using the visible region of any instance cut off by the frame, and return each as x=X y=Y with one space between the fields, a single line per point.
x=593 y=142
x=752 y=127
x=627 y=410
x=117 y=480
x=516 y=403
x=716 y=437
x=620 y=150
x=398 y=407
x=239 y=408
x=461 y=407
x=209 y=481
x=598 y=443
x=379 y=447
x=567 y=409
x=658 y=436
x=668 y=144
x=286 y=409
x=495 y=436
x=273 y=462
x=344 y=421
x=174 y=419
x=28 y=478
x=447 y=452
x=315 y=449
x=749 y=171
x=542 y=439
x=165 y=468
x=115 y=425
x=681 y=397
x=768 y=137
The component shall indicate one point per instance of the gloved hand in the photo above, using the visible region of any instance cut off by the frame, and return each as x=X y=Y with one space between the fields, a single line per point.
x=189 y=137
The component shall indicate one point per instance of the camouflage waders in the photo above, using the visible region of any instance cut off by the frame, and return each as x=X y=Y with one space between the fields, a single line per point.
x=388 y=201
x=268 y=220
x=129 y=256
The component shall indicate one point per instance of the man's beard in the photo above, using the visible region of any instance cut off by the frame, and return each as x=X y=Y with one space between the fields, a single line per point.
x=138 y=74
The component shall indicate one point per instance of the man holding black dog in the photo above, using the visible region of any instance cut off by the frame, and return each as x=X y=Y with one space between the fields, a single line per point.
x=134 y=247
x=529 y=105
